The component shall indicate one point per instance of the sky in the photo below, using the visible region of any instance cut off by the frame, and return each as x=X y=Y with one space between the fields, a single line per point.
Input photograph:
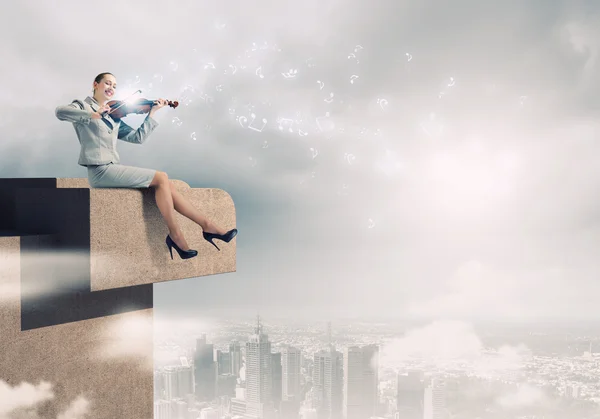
x=441 y=163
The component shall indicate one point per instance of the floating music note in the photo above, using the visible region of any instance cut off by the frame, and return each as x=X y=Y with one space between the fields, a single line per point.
x=285 y=121
x=382 y=103
x=264 y=121
x=290 y=74
x=349 y=157
x=242 y=120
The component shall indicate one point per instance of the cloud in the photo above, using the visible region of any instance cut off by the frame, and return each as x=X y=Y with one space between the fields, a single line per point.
x=128 y=338
x=440 y=339
x=450 y=341
x=477 y=289
x=41 y=263
x=409 y=121
x=77 y=409
x=24 y=395
x=22 y=400
x=582 y=36
x=524 y=396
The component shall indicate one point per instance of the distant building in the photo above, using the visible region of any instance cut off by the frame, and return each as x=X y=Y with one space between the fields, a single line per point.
x=410 y=395
x=361 y=382
x=291 y=359
x=205 y=370
x=259 y=380
x=434 y=406
x=328 y=383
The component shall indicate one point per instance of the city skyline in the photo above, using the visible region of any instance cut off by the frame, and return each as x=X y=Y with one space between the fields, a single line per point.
x=417 y=390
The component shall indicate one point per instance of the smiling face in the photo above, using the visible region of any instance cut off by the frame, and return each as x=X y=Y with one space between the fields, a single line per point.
x=105 y=89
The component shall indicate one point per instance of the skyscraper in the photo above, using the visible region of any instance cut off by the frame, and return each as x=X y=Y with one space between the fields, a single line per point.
x=235 y=354
x=171 y=383
x=162 y=409
x=159 y=385
x=361 y=381
x=410 y=395
x=185 y=381
x=328 y=383
x=276 y=373
x=291 y=359
x=205 y=370
x=435 y=400
x=223 y=362
x=175 y=382
x=259 y=379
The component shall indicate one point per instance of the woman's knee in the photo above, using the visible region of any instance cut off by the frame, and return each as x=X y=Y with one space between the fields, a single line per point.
x=160 y=178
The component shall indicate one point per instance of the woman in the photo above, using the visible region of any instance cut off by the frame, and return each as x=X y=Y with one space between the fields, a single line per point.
x=98 y=135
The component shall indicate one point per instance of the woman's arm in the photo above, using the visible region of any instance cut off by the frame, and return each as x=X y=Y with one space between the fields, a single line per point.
x=126 y=133
x=73 y=112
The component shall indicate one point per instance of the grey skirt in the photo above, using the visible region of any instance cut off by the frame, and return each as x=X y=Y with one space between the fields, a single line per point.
x=119 y=176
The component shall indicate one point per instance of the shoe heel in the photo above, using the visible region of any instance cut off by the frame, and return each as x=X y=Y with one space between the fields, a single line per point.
x=183 y=254
x=213 y=243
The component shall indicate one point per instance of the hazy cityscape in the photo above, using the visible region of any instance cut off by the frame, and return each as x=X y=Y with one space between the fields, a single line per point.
x=265 y=369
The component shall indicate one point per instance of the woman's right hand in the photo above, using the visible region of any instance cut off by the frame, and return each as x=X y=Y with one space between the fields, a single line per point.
x=98 y=114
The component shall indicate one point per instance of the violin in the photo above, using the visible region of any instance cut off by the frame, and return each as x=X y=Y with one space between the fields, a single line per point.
x=120 y=108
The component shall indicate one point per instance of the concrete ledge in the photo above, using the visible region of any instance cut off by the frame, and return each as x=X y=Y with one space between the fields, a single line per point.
x=75 y=357
x=76 y=272
x=124 y=228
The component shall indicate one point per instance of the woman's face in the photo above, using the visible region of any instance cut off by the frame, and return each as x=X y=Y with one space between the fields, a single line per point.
x=105 y=90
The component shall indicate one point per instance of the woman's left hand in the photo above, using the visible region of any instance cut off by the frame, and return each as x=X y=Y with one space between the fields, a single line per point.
x=159 y=104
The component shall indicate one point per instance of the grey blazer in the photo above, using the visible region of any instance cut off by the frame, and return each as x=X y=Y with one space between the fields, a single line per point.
x=98 y=137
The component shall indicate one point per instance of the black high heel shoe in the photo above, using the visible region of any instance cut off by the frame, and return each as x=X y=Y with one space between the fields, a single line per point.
x=209 y=237
x=183 y=254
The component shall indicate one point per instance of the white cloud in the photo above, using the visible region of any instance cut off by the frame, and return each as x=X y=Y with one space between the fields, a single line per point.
x=23 y=395
x=524 y=396
x=59 y=264
x=446 y=342
x=22 y=400
x=582 y=36
x=129 y=338
x=483 y=291
x=76 y=410
x=536 y=173
x=437 y=340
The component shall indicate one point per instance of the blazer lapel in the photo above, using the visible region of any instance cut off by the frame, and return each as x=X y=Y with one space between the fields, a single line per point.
x=106 y=119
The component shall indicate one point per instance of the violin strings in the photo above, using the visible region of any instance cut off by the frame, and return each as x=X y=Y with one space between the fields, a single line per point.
x=124 y=101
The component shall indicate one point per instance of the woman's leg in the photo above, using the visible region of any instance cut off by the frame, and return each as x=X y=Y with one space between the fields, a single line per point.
x=164 y=201
x=185 y=208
